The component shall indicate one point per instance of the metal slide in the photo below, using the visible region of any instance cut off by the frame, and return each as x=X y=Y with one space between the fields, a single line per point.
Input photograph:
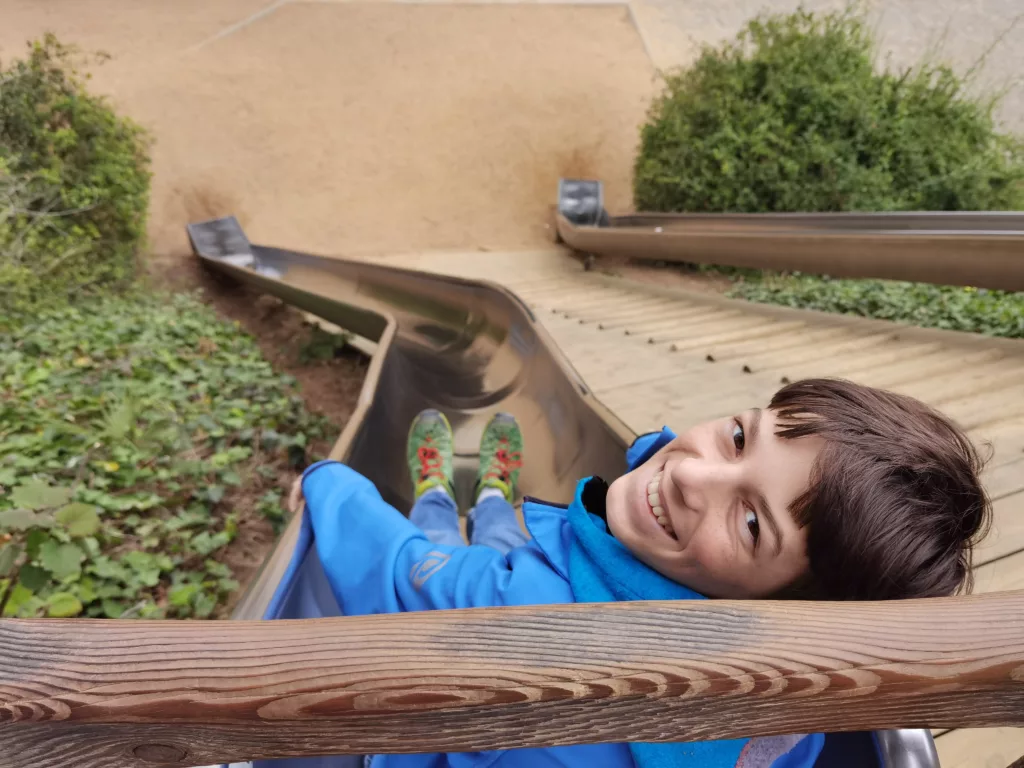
x=984 y=249
x=468 y=348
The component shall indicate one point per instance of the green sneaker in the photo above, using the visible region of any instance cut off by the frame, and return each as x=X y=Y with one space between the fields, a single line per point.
x=501 y=456
x=429 y=452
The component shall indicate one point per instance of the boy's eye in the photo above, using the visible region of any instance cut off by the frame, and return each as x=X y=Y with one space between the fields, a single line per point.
x=739 y=439
x=750 y=518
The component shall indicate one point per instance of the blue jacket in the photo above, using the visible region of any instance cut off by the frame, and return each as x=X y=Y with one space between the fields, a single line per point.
x=377 y=561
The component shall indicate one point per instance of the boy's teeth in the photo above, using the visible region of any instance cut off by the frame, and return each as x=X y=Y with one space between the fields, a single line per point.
x=652 y=497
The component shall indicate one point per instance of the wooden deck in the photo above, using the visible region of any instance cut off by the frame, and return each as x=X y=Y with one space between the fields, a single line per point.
x=658 y=356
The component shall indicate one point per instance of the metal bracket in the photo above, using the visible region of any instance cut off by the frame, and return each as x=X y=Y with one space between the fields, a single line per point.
x=581 y=201
x=223 y=240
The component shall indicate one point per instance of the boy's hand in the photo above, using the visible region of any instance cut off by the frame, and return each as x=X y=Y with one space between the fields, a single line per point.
x=295 y=496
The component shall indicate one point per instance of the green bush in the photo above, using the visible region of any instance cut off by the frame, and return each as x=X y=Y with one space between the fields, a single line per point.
x=793 y=116
x=74 y=184
x=974 y=310
x=137 y=433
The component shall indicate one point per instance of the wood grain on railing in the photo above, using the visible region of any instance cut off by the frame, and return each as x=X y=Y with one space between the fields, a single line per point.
x=115 y=694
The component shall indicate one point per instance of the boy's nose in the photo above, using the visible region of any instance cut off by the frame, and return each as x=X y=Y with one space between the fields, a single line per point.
x=705 y=483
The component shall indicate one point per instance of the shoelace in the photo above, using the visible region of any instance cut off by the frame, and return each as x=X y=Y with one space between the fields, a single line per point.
x=506 y=462
x=431 y=463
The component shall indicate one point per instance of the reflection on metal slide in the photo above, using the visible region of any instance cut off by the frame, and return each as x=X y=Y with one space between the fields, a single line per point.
x=468 y=348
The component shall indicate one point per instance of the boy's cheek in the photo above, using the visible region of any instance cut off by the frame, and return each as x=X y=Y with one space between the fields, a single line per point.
x=615 y=503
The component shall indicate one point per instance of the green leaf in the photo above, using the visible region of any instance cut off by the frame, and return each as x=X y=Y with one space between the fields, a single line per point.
x=87 y=590
x=141 y=561
x=8 y=557
x=79 y=519
x=204 y=543
x=119 y=420
x=18 y=519
x=113 y=609
x=62 y=605
x=35 y=494
x=20 y=596
x=61 y=560
x=203 y=605
x=33 y=541
x=181 y=595
x=105 y=568
x=217 y=569
x=33 y=577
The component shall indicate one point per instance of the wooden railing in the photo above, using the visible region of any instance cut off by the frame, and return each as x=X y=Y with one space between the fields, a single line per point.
x=113 y=694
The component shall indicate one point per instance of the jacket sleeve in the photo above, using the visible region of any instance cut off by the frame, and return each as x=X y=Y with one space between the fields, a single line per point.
x=376 y=561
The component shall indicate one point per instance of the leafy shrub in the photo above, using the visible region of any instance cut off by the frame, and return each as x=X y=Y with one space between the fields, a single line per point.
x=136 y=435
x=994 y=313
x=792 y=116
x=74 y=183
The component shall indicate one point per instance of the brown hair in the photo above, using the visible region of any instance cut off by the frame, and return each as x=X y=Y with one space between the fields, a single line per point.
x=895 y=503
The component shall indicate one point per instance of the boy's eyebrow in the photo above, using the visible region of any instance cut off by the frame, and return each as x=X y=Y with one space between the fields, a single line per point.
x=755 y=424
x=766 y=513
x=762 y=502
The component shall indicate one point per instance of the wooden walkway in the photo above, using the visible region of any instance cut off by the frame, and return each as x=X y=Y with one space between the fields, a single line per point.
x=658 y=356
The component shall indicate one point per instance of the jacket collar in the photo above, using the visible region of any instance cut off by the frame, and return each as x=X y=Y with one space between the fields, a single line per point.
x=549 y=526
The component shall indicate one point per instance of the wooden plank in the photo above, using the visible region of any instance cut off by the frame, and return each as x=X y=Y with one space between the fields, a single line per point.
x=1000 y=576
x=980 y=747
x=126 y=694
x=659 y=313
x=590 y=303
x=829 y=363
x=800 y=348
x=942 y=361
x=1007 y=534
x=1005 y=479
x=761 y=330
x=713 y=324
x=1005 y=441
x=655 y=333
x=654 y=308
x=992 y=408
x=823 y=367
x=1003 y=379
x=774 y=347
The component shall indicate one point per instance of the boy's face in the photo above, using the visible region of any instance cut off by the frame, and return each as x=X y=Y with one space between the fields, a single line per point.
x=710 y=510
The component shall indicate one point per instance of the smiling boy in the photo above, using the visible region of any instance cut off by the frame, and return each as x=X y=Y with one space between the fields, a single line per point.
x=834 y=491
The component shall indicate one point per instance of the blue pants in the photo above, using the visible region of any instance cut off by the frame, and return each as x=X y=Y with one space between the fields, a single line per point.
x=492 y=522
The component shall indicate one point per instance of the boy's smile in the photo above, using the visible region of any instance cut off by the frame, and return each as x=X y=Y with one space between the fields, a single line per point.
x=654 y=503
x=710 y=510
